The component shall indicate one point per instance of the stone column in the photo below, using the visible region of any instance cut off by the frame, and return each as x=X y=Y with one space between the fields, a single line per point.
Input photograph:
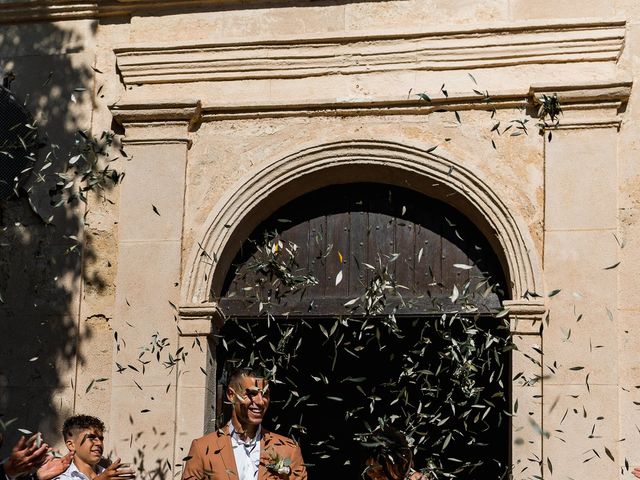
x=196 y=386
x=580 y=256
x=142 y=423
x=526 y=388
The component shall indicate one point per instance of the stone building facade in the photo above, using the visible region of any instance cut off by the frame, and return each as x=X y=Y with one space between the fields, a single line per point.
x=228 y=110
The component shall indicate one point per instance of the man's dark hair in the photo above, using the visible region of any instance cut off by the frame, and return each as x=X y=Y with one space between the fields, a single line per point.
x=389 y=448
x=80 y=422
x=235 y=374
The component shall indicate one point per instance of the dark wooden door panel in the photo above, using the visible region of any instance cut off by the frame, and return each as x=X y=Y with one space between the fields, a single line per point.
x=425 y=243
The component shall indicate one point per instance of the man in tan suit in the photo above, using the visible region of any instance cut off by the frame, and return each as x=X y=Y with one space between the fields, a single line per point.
x=242 y=449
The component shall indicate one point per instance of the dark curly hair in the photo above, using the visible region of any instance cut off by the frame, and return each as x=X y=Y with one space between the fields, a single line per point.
x=389 y=449
x=80 y=422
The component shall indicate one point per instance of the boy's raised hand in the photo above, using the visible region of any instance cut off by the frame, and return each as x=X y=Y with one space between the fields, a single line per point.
x=117 y=471
x=53 y=467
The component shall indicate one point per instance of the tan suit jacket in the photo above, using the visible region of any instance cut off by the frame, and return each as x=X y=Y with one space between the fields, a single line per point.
x=211 y=457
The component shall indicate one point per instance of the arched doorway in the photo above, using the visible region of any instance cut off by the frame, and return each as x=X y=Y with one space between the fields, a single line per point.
x=347 y=237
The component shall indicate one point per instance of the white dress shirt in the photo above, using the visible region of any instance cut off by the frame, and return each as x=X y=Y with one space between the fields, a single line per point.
x=72 y=473
x=246 y=454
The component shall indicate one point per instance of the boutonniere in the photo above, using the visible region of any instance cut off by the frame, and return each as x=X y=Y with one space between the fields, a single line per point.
x=279 y=465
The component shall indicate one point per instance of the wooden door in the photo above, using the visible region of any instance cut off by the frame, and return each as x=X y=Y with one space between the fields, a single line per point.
x=427 y=246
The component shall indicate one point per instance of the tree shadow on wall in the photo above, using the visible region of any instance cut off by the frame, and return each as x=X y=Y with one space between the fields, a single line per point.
x=41 y=251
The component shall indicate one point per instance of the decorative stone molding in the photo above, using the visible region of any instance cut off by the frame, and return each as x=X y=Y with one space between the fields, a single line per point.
x=587 y=106
x=600 y=102
x=457 y=101
x=525 y=315
x=321 y=162
x=158 y=111
x=355 y=54
x=198 y=320
x=616 y=92
x=158 y=123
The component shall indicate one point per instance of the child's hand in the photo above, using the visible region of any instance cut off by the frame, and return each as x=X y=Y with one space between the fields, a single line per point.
x=53 y=467
x=116 y=471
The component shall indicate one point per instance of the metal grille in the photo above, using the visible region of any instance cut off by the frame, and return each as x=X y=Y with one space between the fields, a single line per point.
x=18 y=140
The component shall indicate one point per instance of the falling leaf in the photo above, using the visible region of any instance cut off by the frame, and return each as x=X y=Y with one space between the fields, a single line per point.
x=351 y=302
x=618 y=241
x=89 y=387
x=609 y=454
x=339 y=278
x=462 y=266
x=611 y=267
x=454 y=296
x=49 y=77
x=155 y=210
x=609 y=314
x=586 y=381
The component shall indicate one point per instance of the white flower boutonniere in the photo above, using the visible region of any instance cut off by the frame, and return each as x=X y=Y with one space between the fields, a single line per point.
x=279 y=465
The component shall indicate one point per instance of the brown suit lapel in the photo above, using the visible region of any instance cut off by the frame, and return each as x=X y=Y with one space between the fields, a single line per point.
x=226 y=452
x=265 y=451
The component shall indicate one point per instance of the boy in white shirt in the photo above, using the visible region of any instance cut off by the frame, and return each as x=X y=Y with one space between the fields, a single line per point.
x=84 y=436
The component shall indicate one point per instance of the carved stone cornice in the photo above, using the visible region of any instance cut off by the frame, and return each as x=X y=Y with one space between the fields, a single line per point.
x=374 y=52
x=585 y=94
x=586 y=106
x=526 y=315
x=188 y=110
x=198 y=319
x=158 y=122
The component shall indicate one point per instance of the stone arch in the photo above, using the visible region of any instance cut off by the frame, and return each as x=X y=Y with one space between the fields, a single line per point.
x=260 y=193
